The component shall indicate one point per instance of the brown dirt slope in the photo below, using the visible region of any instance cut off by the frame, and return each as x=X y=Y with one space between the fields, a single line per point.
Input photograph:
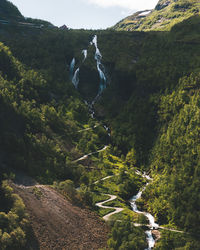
x=57 y=224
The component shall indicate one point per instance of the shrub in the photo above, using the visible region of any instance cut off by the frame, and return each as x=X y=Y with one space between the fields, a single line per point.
x=14 y=224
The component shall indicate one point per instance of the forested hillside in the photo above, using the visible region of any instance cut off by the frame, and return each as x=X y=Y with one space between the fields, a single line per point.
x=151 y=105
x=40 y=121
x=8 y=11
x=174 y=195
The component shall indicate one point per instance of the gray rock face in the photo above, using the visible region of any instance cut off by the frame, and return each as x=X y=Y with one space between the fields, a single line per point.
x=162 y=4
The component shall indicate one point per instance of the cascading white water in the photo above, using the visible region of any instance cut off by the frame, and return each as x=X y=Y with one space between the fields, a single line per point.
x=75 y=79
x=100 y=67
x=150 y=239
x=84 y=52
x=152 y=224
x=102 y=85
x=151 y=221
x=71 y=68
x=74 y=76
x=98 y=53
x=107 y=129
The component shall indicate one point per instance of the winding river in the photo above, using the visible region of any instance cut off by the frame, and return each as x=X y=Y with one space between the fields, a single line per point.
x=74 y=77
x=152 y=225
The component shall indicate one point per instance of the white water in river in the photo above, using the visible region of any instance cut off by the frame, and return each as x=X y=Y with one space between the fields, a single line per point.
x=103 y=81
x=152 y=224
x=150 y=239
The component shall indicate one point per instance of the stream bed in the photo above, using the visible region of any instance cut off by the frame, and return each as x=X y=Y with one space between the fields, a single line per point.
x=151 y=219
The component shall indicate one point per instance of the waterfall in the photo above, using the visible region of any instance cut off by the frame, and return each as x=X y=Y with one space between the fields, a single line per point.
x=71 y=69
x=75 y=79
x=100 y=67
x=74 y=76
x=98 y=55
x=84 y=52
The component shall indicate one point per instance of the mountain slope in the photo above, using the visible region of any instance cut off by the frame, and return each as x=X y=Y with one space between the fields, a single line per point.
x=58 y=224
x=9 y=11
x=151 y=106
x=175 y=157
x=166 y=14
x=39 y=132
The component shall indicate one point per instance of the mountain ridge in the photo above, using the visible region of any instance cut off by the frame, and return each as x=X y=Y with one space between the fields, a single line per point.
x=151 y=107
x=163 y=17
x=9 y=11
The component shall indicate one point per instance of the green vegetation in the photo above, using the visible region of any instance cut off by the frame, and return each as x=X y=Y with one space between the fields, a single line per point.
x=125 y=236
x=8 y=11
x=166 y=14
x=45 y=137
x=37 y=192
x=122 y=182
x=13 y=221
x=134 y=217
x=151 y=105
x=172 y=240
x=143 y=68
x=175 y=159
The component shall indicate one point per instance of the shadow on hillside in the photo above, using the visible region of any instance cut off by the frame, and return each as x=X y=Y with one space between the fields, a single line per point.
x=32 y=242
x=22 y=179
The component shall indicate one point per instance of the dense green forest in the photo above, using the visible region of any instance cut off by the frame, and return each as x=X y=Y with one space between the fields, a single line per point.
x=9 y=11
x=14 y=225
x=175 y=157
x=151 y=105
x=45 y=137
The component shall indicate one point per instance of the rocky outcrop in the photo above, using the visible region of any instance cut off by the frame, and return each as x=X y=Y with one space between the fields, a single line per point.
x=162 y=4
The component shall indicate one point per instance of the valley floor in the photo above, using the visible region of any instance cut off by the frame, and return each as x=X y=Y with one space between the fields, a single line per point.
x=57 y=224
